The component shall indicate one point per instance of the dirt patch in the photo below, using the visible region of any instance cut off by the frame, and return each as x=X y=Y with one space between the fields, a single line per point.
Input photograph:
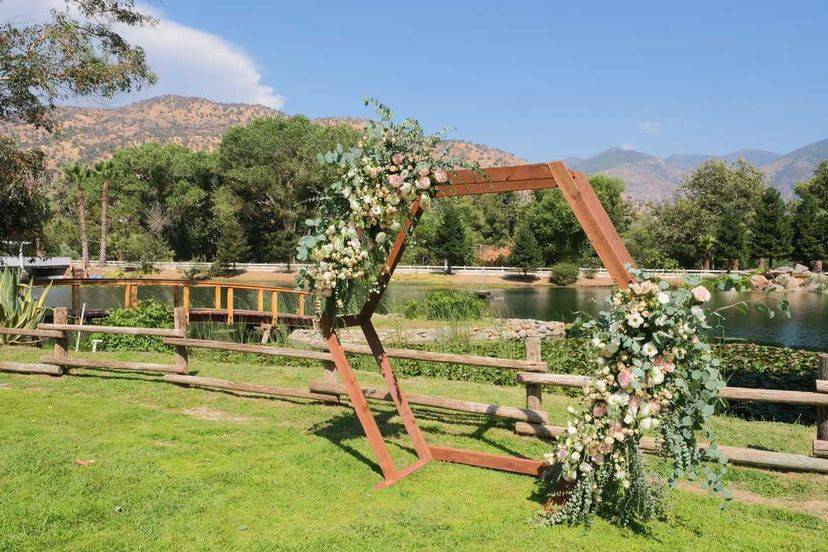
x=814 y=507
x=212 y=415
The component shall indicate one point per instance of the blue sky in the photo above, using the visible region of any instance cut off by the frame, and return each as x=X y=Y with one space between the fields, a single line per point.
x=543 y=80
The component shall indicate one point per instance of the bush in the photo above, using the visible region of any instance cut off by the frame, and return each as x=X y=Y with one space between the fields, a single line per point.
x=148 y=314
x=564 y=274
x=444 y=304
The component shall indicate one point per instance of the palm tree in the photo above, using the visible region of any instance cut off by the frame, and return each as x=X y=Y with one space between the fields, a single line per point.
x=106 y=170
x=75 y=174
x=706 y=243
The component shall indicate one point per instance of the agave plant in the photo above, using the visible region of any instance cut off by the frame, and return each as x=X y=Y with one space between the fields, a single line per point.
x=18 y=307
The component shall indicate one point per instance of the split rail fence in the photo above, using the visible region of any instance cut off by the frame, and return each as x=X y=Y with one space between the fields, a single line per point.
x=532 y=373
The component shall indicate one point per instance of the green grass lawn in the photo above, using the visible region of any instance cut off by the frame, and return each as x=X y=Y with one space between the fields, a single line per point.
x=106 y=461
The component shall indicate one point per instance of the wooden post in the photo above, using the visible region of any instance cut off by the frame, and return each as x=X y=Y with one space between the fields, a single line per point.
x=217 y=298
x=61 y=343
x=76 y=309
x=187 y=302
x=176 y=296
x=182 y=356
x=127 y=295
x=301 y=304
x=534 y=391
x=274 y=308
x=260 y=301
x=229 y=306
x=822 y=411
x=134 y=299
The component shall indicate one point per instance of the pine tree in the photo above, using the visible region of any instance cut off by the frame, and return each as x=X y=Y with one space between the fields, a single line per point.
x=452 y=240
x=771 y=231
x=731 y=239
x=807 y=230
x=526 y=253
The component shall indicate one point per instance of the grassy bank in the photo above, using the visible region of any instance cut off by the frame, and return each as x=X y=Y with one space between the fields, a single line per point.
x=113 y=461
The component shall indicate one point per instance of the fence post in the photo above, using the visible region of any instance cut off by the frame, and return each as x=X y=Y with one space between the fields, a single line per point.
x=76 y=301
x=187 y=302
x=330 y=374
x=821 y=442
x=61 y=316
x=230 y=306
x=182 y=355
x=534 y=391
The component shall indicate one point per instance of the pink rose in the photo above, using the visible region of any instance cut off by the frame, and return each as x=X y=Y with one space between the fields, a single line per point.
x=701 y=294
x=624 y=378
x=606 y=448
x=398 y=158
x=423 y=171
x=423 y=183
x=598 y=459
x=440 y=176
x=599 y=411
x=395 y=180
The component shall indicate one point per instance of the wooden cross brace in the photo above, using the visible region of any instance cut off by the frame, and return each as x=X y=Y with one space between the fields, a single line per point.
x=599 y=230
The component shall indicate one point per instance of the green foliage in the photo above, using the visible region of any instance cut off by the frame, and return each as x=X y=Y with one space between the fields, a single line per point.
x=646 y=241
x=442 y=304
x=809 y=244
x=564 y=274
x=23 y=200
x=148 y=314
x=526 y=253
x=452 y=237
x=18 y=307
x=771 y=232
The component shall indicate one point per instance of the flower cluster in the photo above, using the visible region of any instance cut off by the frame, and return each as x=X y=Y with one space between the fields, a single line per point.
x=391 y=167
x=654 y=373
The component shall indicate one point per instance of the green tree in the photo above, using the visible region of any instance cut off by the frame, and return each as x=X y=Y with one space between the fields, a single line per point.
x=647 y=242
x=232 y=246
x=76 y=176
x=106 y=171
x=771 y=234
x=731 y=239
x=452 y=239
x=77 y=52
x=271 y=166
x=808 y=245
x=557 y=230
x=526 y=253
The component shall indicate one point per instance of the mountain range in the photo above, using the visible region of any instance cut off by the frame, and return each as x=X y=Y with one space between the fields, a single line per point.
x=90 y=133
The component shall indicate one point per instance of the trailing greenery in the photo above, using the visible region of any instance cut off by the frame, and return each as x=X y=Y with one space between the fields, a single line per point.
x=18 y=307
x=564 y=274
x=148 y=314
x=447 y=304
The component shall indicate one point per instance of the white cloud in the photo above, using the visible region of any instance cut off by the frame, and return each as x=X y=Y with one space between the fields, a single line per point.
x=188 y=62
x=650 y=127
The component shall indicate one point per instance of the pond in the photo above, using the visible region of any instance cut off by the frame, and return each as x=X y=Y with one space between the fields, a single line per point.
x=806 y=329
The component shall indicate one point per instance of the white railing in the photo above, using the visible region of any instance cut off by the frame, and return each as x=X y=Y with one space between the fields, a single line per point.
x=412 y=269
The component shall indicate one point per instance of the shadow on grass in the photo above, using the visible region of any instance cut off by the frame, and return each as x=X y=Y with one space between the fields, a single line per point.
x=528 y=279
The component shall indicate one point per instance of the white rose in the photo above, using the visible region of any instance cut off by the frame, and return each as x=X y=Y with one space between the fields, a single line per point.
x=649 y=349
x=701 y=294
x=663 y=298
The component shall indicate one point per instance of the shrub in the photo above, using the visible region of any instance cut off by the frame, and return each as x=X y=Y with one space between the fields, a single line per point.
x=564 y=274
x=148 y=314
x=441 y=304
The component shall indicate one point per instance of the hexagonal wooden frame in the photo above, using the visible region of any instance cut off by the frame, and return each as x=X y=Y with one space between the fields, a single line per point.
x=600 y=232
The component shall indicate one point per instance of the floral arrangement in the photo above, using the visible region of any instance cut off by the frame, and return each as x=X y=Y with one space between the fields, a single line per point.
x=392 y=166
x=654 y=374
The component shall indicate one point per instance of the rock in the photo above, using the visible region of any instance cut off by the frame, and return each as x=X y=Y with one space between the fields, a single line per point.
x=759 y=282
x=780 y=270
x=788 y=282
x=800 y=269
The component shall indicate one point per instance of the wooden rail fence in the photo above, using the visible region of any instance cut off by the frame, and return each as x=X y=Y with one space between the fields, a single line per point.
x=532 y=372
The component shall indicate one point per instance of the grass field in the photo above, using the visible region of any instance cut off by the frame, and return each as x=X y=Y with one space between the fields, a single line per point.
x=106 y=461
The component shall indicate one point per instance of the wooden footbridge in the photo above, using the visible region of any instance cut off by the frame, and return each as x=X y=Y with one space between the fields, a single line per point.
x=273 y=305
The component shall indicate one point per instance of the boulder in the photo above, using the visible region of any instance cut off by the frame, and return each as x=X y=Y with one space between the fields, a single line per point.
x=800 y=269
x=787 y=281
x=759 y=282
x=780 y=270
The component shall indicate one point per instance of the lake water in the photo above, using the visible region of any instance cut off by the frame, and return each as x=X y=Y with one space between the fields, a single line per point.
x=806 y=329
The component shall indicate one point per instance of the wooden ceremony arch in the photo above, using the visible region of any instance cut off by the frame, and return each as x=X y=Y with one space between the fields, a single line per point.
x=599 y=230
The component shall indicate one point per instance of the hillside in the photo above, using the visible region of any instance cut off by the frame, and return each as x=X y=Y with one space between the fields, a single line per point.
x=648 y=178
x=796 y=166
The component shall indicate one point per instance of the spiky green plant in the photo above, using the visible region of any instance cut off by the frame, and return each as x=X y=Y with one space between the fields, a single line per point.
x=18 y=307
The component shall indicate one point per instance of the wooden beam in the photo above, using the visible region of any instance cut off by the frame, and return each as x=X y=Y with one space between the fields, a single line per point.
x=249 y=348
x=820 y=448
x=30 y=368
x=459 y=405
x=359 y=402
x=61 y=350
x=117 y=330
x=182 y=354
x=498 y=180
x=512 y=464
x=736 y=455
x=400 y=401
x=534 y=391
x=243 y=387
x=448 y=358
x=107 y=364
x=31 y=332
x=230 y=306
x=590 y=214
x=822 y=388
